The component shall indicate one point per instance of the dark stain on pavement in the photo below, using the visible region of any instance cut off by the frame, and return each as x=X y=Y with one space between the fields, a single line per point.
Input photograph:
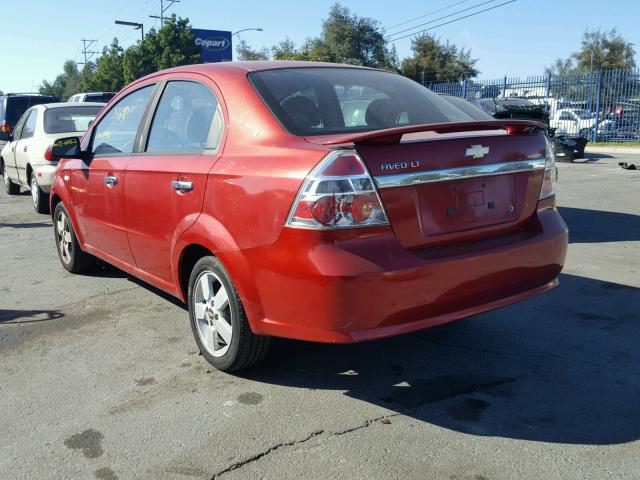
x=468 y=410
x=89 y=441
x=146 y=381
x=250 y=398
x=105 y=474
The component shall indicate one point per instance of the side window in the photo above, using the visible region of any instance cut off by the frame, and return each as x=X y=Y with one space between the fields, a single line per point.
x=566 y=116
x=187 y=115
x=30 y=124
x=17 y=132
x=116 y=132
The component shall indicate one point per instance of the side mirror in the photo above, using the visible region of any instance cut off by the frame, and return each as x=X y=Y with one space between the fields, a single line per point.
x=68 y=147
x=5 y=137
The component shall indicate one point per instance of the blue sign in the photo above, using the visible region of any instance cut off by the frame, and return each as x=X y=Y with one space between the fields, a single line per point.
x=214 y=45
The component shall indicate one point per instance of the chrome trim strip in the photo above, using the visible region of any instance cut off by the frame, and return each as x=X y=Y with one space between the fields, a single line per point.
x=448 y=174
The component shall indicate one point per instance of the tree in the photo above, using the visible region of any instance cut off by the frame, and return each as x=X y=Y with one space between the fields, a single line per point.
x=347 y=38
x=607 y=50
x=108 y=75
x=65 y=84
x=285 y=50
x=434 y=60
x=245 y=52
x=171 y=46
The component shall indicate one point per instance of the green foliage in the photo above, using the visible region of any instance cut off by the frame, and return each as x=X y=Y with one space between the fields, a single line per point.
x=440 y=62
x=245 y=52
x=598 y=49
x=345 y=38
x=65 y=84
x=171 y=46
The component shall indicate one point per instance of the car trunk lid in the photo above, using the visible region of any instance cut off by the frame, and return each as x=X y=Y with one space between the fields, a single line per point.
x=455 y=183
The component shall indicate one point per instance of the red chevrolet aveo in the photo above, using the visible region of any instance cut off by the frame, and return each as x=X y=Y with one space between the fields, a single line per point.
x=313 y=201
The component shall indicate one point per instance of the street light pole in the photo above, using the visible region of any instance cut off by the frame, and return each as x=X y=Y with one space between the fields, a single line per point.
x=245 y=30
x=135 y=25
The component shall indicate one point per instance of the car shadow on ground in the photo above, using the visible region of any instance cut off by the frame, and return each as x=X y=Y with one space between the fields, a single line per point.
x=563 y=368
x=29 y=316
x=595 y=226
x=26 y=225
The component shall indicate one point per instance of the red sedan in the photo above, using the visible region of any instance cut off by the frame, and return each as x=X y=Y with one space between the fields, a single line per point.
x=314 y=201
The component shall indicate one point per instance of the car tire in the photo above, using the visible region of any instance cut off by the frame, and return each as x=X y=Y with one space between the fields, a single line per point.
x=39 y=198
x=218 y=320
x=9 y=187
x=71 y=256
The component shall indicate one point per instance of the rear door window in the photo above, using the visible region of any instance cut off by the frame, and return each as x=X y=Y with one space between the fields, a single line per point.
x=29 y=128
x=187 y=119
x=321 y=100
x=116 y=132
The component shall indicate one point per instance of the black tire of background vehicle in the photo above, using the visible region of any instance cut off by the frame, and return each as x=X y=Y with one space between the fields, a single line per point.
x=80 y=262
x=40 y=199
x=246 y=348
x=578 y=154
x=9 y=187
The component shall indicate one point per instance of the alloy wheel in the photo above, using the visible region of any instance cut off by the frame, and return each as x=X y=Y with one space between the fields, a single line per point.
x=63 y=237
x=212 y=313
x=35 y=192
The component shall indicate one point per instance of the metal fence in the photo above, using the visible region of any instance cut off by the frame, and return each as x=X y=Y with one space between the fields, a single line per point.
x=602 y=106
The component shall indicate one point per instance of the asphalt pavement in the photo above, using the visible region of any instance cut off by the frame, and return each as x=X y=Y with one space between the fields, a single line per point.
x=100 y=377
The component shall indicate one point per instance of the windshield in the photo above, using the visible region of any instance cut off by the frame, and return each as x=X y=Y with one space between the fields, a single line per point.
x=583 y=113
x=323 y=100
x=99 y=97
x=69 y=119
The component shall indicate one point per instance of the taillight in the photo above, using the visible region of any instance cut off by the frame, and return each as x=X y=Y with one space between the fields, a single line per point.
x=550 y=173
x=5 y=128
x=48 y=154
x=338 y=193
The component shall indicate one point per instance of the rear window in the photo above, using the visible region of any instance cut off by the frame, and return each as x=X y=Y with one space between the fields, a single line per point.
x=467 y=107
x=324 y=100
x=100 y=98
x=16 y=106
x=69 y=119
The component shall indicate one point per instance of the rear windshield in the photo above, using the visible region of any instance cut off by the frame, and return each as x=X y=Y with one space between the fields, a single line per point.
x=467 y=107
x=69 y=119
x=325 y=100
x=16 y=106
x=99 y=97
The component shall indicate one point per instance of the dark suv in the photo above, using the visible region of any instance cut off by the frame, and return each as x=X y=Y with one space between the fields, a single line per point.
x=13 y=105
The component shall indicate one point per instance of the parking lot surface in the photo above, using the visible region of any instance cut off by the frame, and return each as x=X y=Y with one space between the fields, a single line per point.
x=100 y=377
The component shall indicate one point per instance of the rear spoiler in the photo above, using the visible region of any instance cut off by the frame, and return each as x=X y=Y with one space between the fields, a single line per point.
x=390 y=136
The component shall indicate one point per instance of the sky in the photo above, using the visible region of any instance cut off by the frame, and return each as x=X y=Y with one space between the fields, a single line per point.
x=518 y=39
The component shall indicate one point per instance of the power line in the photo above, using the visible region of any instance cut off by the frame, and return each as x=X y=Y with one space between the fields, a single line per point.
x=164 y=9
x=426 y=15
x=86 y=44
x=443 y=17
x=450 y=21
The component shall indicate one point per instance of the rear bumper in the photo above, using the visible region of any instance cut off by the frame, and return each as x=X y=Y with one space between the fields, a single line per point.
x=313 y=287
x=44 y=175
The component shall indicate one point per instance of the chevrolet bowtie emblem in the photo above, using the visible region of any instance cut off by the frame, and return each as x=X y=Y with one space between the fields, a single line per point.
x=476 y=151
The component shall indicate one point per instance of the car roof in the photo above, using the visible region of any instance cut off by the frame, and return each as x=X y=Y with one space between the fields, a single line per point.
x=70 y=104
x=241 y=68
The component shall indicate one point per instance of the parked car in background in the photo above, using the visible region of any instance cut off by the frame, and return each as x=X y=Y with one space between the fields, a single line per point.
x=26 y=159
x=96 y=97
x=247 y=190
x=573 y=121
x=513 y=108
x=13 y=105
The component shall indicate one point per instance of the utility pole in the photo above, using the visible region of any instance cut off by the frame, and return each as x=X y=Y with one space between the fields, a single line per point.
x=86 y=44
x=164 y=9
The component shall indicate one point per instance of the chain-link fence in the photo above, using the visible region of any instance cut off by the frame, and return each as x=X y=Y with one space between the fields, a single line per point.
x=602 y=106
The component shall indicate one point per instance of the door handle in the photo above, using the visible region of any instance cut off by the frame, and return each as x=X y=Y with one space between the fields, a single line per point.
x=24 y=149
x=110 y=181
x=182 y=186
